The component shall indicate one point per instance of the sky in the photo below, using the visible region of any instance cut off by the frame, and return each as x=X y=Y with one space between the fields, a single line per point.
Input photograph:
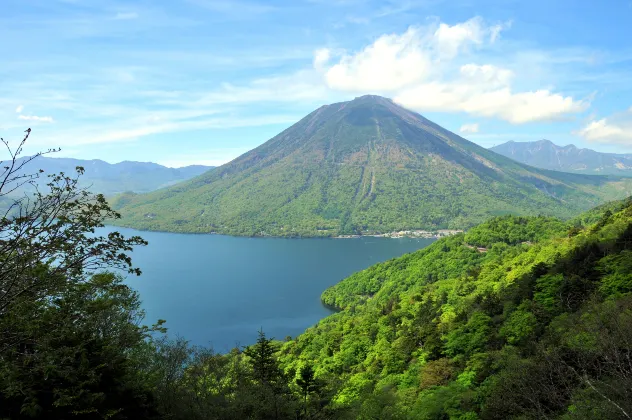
x=182 y=82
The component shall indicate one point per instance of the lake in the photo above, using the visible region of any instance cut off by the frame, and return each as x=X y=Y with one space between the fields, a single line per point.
x=220 y=290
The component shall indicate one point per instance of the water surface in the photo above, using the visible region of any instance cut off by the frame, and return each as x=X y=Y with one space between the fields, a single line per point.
x=220 y=290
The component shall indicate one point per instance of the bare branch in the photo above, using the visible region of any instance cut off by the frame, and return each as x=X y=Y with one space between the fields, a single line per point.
x=53 y=233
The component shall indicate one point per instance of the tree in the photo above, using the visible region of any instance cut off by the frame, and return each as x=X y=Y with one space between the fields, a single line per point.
x=55 y=232
x=75 y=355
x=67 y=333
x=264 y=365
x=307 y=384
x=271 y=386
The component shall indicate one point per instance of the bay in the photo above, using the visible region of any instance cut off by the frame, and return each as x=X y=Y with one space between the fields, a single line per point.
x=219 y=291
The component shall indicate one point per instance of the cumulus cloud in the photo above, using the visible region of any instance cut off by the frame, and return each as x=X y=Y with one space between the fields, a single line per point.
x=390 y=63
x=616 y=129
x=481 y=100
x=423 y=69
x=450 y=40
x=19 y=109
x=36 y=118
x=469 y=128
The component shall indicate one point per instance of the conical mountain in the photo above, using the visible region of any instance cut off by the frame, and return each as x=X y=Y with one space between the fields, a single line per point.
x=363 y=166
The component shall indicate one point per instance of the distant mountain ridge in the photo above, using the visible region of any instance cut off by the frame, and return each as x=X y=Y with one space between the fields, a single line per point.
x=547 y=155
x=108 y=179
x=363 y=166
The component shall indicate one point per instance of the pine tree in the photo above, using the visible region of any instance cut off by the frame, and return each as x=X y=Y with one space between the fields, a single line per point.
x=307 y=383
x=265 y=367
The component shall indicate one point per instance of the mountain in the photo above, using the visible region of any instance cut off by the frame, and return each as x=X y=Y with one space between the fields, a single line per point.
x=547 y=155
x=369 y=166
x=109 y=179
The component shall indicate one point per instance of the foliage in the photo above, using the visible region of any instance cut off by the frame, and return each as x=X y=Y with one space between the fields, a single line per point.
x=365 y=166
x=521 y=317
x=67 y=333
x=524 y=330
x=70 y=356
x=196 y=383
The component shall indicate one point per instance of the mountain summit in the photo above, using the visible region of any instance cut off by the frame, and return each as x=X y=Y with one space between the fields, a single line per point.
x=547 y=155
x=369 y=166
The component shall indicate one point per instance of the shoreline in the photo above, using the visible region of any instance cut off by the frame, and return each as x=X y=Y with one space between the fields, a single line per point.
x=419 y=234
x=422 y=234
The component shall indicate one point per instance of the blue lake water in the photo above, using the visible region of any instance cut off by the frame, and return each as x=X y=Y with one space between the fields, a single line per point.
x=220 y=290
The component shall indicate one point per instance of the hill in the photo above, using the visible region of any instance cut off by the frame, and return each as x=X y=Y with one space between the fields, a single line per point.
x=538 y=326
x=519 y=318
x=547 y=155
x=109 y=179
x=363 y=166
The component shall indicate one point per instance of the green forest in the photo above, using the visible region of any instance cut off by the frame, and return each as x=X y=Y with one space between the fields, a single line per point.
x=519 y=318
x=366 y=166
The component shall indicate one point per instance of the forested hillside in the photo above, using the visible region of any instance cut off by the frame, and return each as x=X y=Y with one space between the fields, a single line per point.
x=536 y=326
x=519 y=318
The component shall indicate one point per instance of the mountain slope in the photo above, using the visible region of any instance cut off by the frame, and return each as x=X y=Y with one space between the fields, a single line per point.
x=547 y=155
x=538 y=326
x=366 y=165
x=108 y=179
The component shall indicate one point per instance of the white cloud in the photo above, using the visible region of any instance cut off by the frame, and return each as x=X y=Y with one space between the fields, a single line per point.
x=451 y=40
x=94 y=112
x=19 y=109
x=486 y=74
x=36 y=118
x=300 y=86
x=497 y=29
x=469 y=128
x=126 y=131
x=481 y=100
x=616 y=129
x=390 y=63
x=423 y=69
x=321 y=58
x=395 y=61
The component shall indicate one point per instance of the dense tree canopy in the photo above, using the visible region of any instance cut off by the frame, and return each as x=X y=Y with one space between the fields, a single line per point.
x=520 y=317
x=535 y=326
x=67 y=328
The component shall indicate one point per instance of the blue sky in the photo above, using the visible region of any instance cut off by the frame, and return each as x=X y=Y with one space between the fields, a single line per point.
x=183 y=82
